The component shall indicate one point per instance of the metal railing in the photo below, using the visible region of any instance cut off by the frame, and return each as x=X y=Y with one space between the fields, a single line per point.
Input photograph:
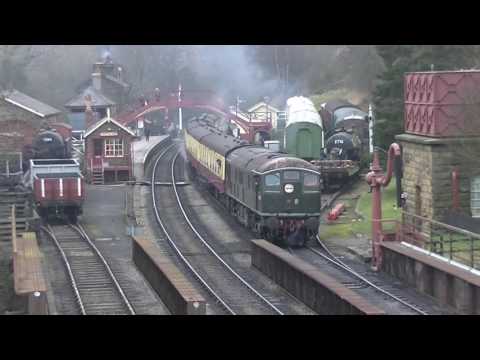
x=439 y=238
x=259 y=116
x=11 y=169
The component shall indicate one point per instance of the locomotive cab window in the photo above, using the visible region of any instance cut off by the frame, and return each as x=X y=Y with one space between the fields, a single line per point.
x=291 y=175
x=272 y=182
x=311 y=182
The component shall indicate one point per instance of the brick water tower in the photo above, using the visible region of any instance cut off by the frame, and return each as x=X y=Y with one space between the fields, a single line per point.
x=441 y=146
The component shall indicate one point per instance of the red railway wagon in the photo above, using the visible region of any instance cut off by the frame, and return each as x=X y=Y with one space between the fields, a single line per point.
x=58 y=187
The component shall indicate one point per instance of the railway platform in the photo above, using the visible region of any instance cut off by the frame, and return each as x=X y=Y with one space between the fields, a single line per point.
x=140 y=150
x=29 y=280
x=104 y=221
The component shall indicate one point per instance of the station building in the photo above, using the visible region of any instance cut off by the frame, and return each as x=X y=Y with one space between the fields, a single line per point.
x=107 y=90
x=262 y=111
x=108 y=152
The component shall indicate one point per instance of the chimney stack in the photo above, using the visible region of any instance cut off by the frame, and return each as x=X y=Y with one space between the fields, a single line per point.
x=97 y=81
x=89 y=115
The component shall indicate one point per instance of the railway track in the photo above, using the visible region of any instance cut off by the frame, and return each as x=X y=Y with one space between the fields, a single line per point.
x=355 y=280
x=225 y=285
x=96 y=289
x=364 y=281
x=386 y=296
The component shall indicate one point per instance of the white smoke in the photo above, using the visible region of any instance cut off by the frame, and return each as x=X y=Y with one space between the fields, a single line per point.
x=105 y=53
x=230 y=72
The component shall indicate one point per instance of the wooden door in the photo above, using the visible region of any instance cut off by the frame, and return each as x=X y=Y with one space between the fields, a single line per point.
x=97 y=147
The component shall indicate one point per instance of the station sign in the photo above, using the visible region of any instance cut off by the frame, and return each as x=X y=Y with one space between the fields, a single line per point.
x=109 y=133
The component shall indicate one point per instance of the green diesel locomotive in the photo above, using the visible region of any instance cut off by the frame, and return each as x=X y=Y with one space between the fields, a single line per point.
x=274 y=194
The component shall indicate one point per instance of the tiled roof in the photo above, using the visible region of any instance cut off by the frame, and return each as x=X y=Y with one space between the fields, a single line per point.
x=98 y=99
x=116 y=80
x=28 y=103
x=94 y=127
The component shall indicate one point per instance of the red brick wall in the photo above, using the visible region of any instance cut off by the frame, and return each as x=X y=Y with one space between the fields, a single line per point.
x=18 y=127
x=114 y=163
x=15 y=134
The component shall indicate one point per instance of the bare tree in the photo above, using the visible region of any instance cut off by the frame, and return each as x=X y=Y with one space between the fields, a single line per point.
x=14 y=61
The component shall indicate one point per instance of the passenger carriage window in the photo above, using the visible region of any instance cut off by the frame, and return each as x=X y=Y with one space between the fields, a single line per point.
x=311 y=182
x=272 y=182
x=291 y=175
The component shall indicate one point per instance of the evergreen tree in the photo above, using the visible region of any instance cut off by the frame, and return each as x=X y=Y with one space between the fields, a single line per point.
x=399 y=59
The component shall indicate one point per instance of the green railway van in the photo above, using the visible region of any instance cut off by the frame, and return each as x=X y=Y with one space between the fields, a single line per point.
x=303 y=135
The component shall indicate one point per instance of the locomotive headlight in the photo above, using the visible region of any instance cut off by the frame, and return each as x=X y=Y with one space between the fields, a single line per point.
x=289 y=188
x=296 y=201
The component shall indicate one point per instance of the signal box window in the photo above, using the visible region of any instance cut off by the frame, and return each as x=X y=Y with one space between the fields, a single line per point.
x=113 y=148
x=272 y=182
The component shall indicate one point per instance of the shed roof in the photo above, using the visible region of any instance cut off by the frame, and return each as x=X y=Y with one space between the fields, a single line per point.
x=28 y=103
x=96 y=126
x=98 y=99
x=116 y=80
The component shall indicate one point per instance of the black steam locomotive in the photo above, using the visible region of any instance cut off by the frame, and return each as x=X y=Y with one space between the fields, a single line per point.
x=346 y=130
x=343 y=145
x=48 y=144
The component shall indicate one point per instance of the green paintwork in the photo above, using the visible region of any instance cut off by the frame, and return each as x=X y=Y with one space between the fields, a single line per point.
x=280 y=201
x=304 y=140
